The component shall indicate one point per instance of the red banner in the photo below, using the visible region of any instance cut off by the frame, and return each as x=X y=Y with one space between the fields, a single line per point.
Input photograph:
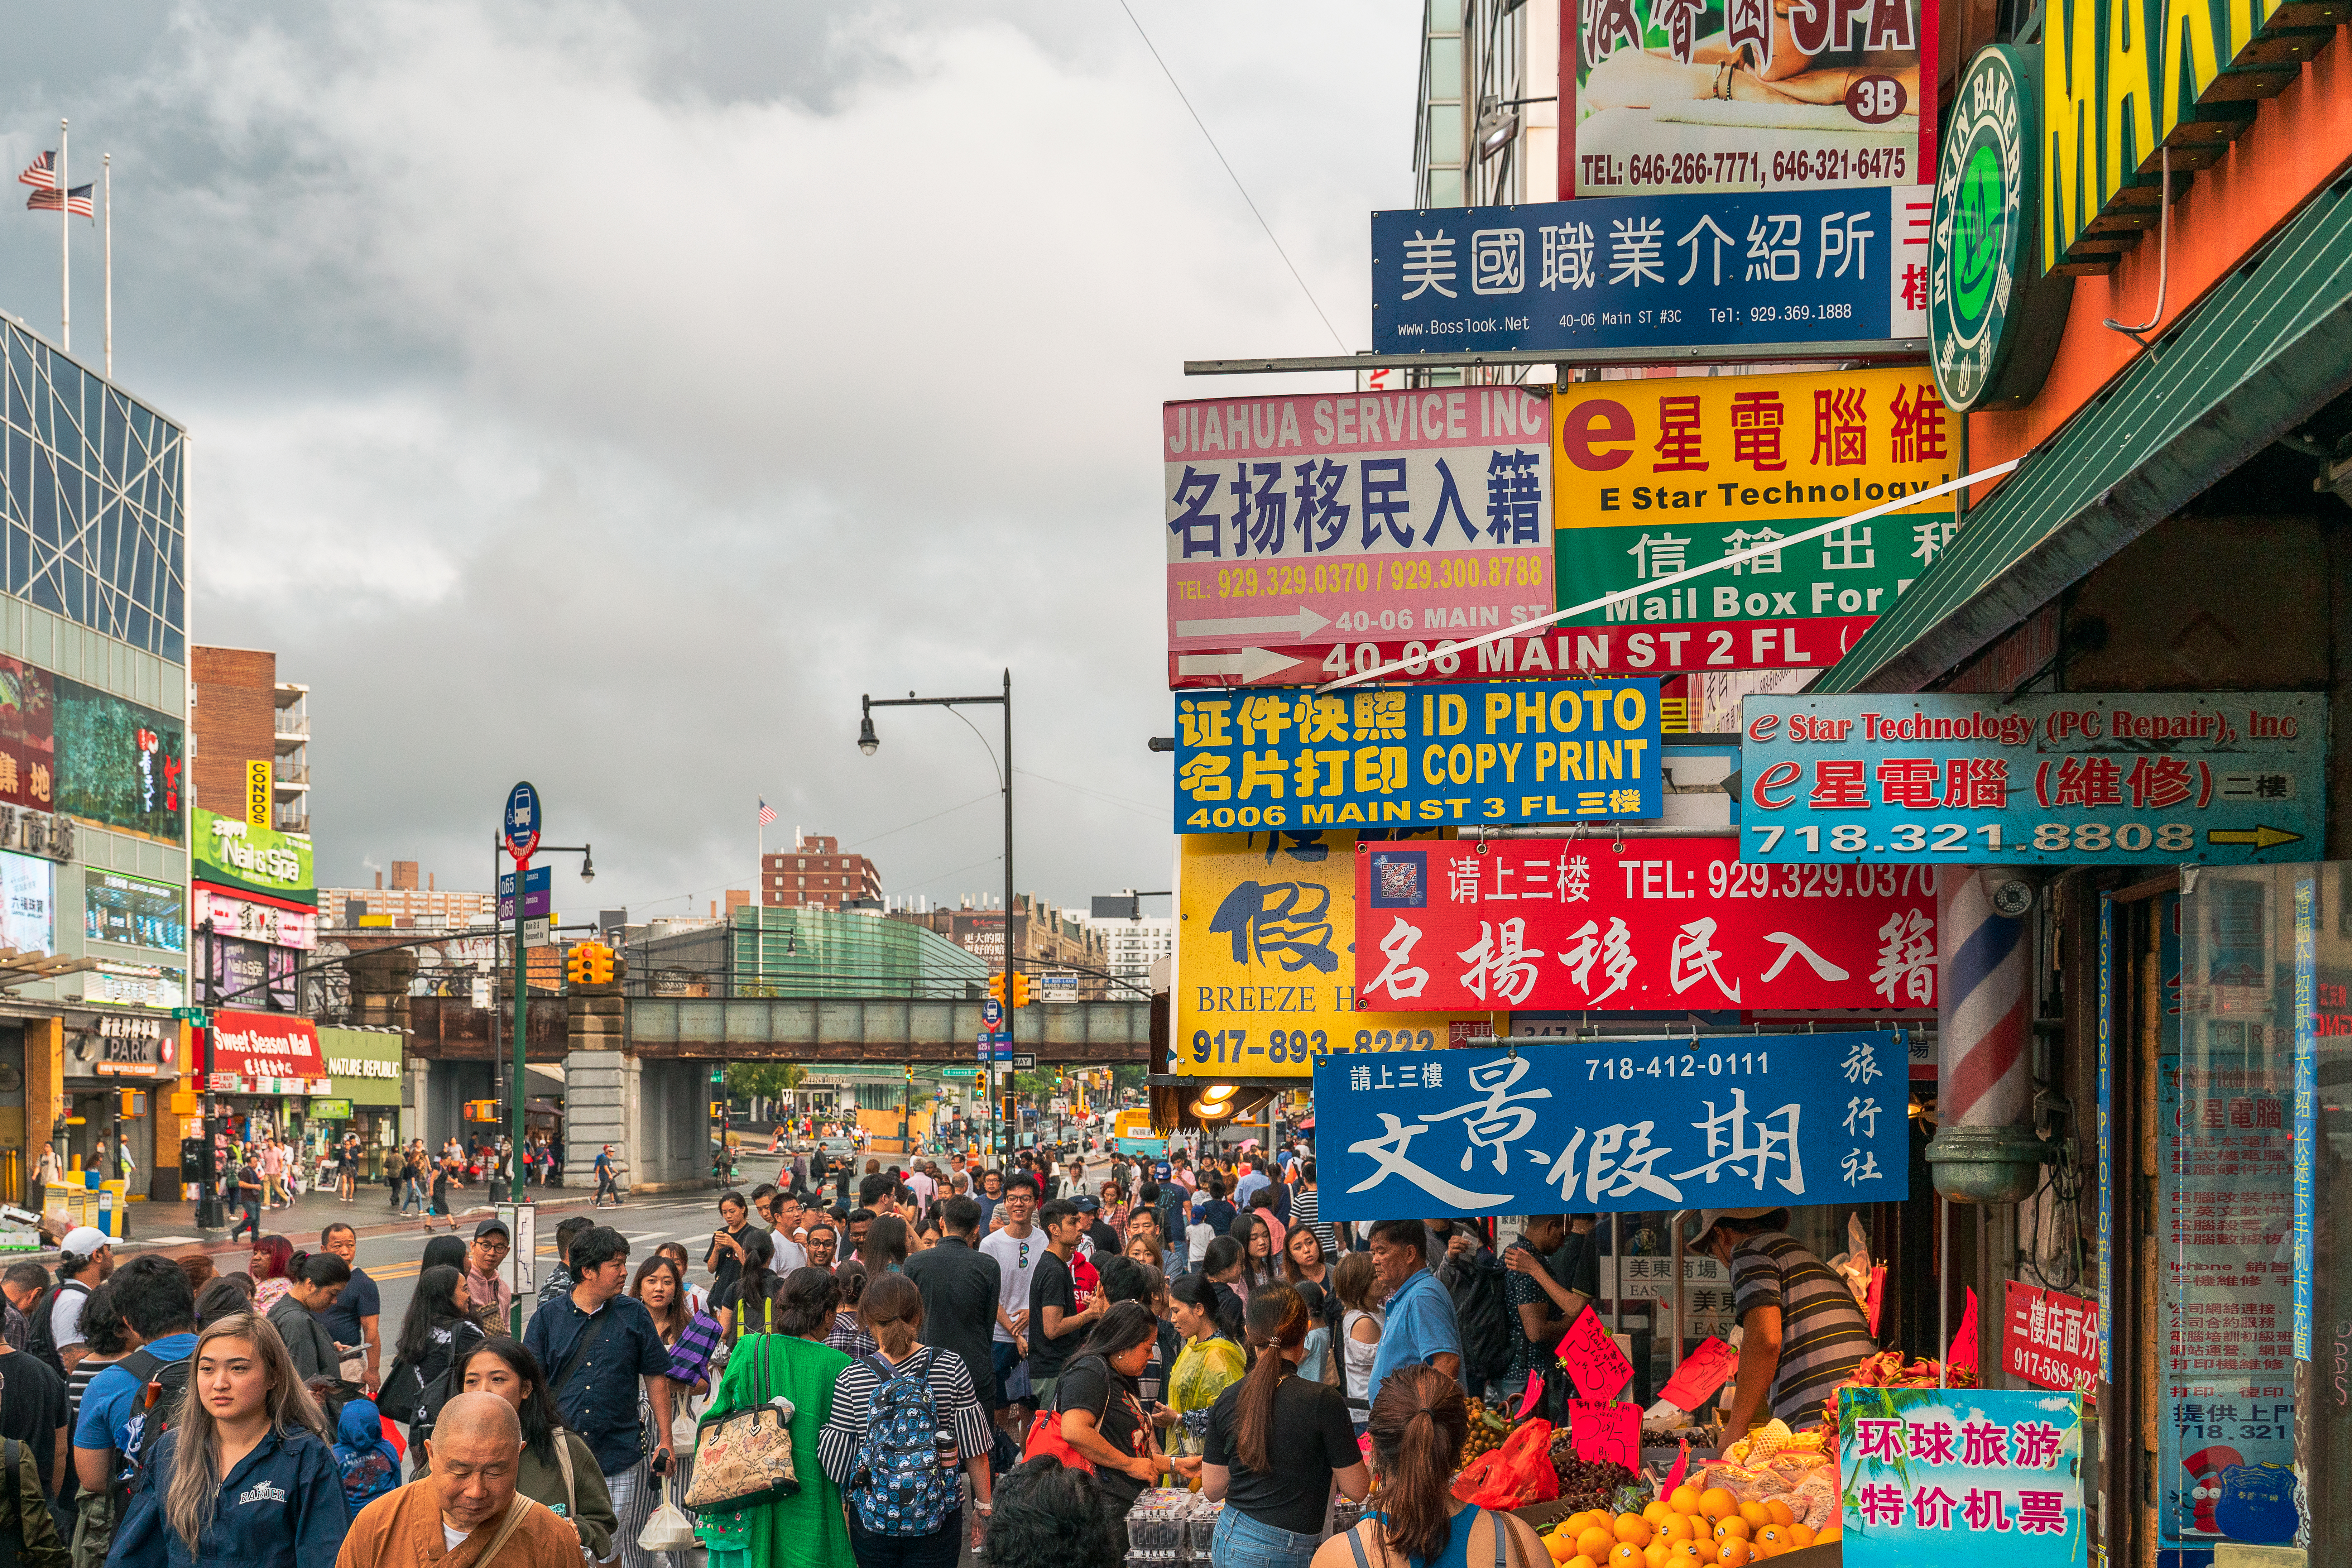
x=1588 y=924
x=2049 y=1338
x=266 y=1044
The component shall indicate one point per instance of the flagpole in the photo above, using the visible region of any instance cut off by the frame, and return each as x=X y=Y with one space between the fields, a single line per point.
x=64 y=253
x=109 y=161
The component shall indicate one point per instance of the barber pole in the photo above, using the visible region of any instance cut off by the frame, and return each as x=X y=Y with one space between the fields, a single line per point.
x=1985 y=1149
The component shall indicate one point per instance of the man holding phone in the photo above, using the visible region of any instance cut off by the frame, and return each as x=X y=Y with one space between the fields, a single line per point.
x=724 y=1258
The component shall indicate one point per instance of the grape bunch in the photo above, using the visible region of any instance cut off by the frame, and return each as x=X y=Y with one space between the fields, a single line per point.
x=1588 y=1483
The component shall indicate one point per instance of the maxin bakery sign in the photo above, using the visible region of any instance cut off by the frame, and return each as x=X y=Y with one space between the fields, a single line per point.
x=1994 y=318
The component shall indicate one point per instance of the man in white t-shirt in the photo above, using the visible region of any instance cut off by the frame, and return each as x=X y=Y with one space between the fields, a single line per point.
x=1016 y=1245
x=925 y=1190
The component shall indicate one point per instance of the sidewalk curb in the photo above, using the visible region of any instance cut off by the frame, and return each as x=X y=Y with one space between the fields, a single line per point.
x=217 y=1241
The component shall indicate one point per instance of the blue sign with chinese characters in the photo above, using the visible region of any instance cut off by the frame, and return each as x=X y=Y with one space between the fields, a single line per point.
x=2069 y=778
x=1615 y=1126
x=1380 y=756
x=1647 y=273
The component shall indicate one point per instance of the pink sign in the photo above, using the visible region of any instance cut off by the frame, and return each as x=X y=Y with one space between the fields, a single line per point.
x=2049 y=1338
x=1594 y=1361
x=1606 y=1432
x=1702 y=1373
x=1299 y=522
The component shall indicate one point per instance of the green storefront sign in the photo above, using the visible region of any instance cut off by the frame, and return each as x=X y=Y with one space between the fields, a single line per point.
x=331 y=1110
x=363 y=1065
x=1994 y=317
x=232 y=853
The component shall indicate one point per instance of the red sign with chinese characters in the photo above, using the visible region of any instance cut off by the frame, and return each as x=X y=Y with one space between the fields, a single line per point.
x=1606 y=1432
x=2049 y=1338
x=1594 y=1364
x=1589 y=925
x=266 y=1044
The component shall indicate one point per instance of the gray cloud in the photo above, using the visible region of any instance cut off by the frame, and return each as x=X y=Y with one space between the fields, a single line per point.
x=609 y=393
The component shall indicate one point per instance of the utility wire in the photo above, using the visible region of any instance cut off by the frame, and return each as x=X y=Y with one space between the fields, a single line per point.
x=1229 y=171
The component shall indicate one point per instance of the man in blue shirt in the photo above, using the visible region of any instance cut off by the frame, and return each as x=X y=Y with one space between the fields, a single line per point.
x=1253 y=1177
x=1212 y=1210
x=598 y=1398
x=356 y=1317
x=1419 y=1328
x=154 y=1297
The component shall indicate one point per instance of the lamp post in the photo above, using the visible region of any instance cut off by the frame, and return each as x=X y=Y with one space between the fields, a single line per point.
x=522 y=987
x=868 y=742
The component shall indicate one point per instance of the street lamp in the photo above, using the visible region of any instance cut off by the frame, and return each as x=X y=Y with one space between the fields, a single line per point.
x=869 y=743
x=518 y=1085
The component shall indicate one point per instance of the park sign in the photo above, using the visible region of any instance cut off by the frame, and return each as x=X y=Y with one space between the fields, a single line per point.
x=1643 y=274
x=1431 y=756
x=1994 y=315
x=2067 y=778
x=1615 y=1126
x=1657 y=477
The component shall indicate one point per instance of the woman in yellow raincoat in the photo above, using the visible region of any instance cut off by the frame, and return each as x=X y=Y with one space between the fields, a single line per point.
x=1212 y=1361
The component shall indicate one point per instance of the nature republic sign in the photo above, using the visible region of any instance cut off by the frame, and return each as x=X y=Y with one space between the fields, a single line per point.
x=1994 y=318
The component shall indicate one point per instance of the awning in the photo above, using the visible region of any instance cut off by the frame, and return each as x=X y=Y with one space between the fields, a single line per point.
x=2260 y=352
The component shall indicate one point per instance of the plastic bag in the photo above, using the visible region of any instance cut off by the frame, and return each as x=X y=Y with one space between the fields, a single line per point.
x=1518 y=1473
x=668 y=1530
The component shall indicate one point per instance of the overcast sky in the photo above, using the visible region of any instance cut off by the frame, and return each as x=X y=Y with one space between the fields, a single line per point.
x=608 y=393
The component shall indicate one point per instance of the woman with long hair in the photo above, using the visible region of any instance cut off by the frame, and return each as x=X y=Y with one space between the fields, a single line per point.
x=892 y=1309
x=805 y=1530
x=1112 y=1195
x=1261 y=1259
x=246 y=1473
x=691 y=1337
x=1102 y=1411
x=1211 y=1361
x=1357 y=1286
x=698 y=1300
x=1419 y=1424
x=558 y=1466
x=1275 y=1442
x=273 y=1260
x=1303 y=1258
x=1143 y=1246
x=886 y=1245
x=443 y=1250
x=1307 y=1267
x=438 y=1332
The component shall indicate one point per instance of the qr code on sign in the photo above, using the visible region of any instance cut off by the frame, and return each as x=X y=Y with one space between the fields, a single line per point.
x=1401 y=879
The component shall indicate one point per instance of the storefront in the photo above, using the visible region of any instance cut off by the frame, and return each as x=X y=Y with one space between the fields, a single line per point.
x=262 y=1070
x=120 y=1067
x=365 y=1078
x=256 y=913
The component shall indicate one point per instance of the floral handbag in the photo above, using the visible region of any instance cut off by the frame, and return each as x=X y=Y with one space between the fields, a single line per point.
x=746 y=1455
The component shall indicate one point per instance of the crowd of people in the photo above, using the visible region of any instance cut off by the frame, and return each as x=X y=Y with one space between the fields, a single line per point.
x=991 y=1360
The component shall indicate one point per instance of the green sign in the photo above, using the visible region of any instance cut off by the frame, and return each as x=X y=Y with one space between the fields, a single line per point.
x=1994 y=318
x=331 y=1110
x=959 y=1072
x=232 y=853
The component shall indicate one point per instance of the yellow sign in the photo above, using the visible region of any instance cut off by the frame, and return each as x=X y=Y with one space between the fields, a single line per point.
x=1265 y=961
x=257 y=792
x=1653 y=478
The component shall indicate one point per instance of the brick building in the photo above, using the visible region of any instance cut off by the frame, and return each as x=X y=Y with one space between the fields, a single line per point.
x=240 y=712
x=405 y=904
x=816 y=874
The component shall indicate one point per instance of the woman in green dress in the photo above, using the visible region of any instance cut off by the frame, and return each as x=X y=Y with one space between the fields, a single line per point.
x=805 y=1530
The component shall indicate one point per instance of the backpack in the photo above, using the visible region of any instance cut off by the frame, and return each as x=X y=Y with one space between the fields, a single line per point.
x=29 y=1531
x=40 y=1338
x=162 y=1383
x=410 y=1398
x=1485 y=1320
x=897 y=1484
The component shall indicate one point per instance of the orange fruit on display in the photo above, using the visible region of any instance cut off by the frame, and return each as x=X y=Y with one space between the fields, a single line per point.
x=1828 y=1534
x=1625 y=1554
x=1757 y=1515
x=1560 y=1547
x=1684 y=1554
x=1684 y=1501
x=1677 y=1527
x=1735 y=1554
x=1775 y=1537
x=1714 y=1504
x=1595 y=1543
x=1733 y=1528
x=1580 y=1560
x=1657 y=1514
x=1706 y=1548
x=1800 y=1536
x=1633 y=1528
x=1655 y=1555
x=1782 y=1514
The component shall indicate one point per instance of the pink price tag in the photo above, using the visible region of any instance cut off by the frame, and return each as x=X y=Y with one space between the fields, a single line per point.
x=1608 y=1432
x=1702 y=1373
x=1535 y=1391
x=1599 y=1368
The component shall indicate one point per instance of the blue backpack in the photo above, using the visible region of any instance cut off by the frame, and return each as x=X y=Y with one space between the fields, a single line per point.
x=897 y=1484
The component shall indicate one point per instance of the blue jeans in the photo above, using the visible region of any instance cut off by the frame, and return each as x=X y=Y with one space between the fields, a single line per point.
x=1242 y=1541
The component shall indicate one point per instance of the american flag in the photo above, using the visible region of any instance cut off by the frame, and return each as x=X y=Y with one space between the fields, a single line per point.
x=42 y=173
x=767 y=813
x=76 y=202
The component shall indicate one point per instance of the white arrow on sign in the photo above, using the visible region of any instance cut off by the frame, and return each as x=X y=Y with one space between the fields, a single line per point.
x=1305 y=623
x=1252 y=664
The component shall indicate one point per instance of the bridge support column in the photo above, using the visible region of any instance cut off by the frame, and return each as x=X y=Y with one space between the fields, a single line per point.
x=599 y=1088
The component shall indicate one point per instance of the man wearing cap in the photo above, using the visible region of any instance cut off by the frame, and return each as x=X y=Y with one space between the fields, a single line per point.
x=1802 y=1331
x=492 y=1296
x=86 y=1258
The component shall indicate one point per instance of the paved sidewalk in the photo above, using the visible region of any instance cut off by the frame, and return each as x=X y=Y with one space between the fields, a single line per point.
x=173 y=1225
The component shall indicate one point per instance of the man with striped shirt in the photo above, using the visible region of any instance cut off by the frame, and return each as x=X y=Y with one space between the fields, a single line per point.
x=1802 y=1333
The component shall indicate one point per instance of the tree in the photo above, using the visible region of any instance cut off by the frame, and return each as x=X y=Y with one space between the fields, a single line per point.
x=766 y=1080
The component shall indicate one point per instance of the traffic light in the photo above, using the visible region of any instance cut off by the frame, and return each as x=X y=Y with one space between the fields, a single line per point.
x=600 y=964
x=996 y=989
x=575 y=965
x=1020 y=990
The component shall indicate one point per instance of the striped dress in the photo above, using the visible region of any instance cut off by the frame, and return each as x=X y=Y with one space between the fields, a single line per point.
x=1824 y=1334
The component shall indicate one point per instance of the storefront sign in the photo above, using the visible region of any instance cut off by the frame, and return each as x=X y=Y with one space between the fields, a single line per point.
x=1612 y=1127
x=1650 y=272
x=1657 y=477
x=251 y=975
x=1265 y=980
x=1299 y=521
x=365 y=1063
x=2073 y=778
x=118 y=764
x=1584 y=924
x=1936 y=1478
x=236 y=853
x=265 y=1045
x=2305 y=1020
x=331 y=1110
x=252 y=920
x=1652 y=109
x=260 y=792
x=2049 y=1338
x=1707 y=1296
x=1451 y=754
x=1994 y=316
x=132 y=910
x=27 y=903
x=134 y=985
